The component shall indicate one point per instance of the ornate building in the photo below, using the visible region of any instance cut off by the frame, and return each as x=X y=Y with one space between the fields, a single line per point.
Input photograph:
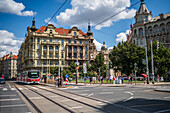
x=8 y=66
x=147 y=27
x=105 y=52
x=49 y=46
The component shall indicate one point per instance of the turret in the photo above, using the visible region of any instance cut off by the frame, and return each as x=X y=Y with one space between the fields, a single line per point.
x=33 y=28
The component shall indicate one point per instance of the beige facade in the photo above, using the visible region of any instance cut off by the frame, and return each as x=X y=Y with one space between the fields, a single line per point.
x=49 y=46
x=8 y=66
x=147 y=27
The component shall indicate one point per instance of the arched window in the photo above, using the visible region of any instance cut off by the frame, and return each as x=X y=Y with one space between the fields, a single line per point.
x=163 y=39
x=45 y=47
x=75 y=33
x=69 y=41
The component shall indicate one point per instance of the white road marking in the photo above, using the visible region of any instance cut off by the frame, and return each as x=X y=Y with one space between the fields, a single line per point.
x=90 y=94
x=12 y=88
x=20 y=88
x=65 y=100
x=76 y=107
x=7 y=95
x=128 y=99
x=53 y=96
x=103 y=104
x=84 y=94
x=162 y=111
x=106 y=92
x=33 y=98
x=129 y=93
x=41 y=87
x=166 y=97
x=148 y=90
x=34 y=88
x=10 y=99
x=4 y=89
x=13 y=105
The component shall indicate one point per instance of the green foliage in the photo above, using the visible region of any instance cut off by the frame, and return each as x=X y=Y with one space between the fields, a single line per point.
x=99 y=63
x=125 y=55
x=54 y=70
x=161 y=58
x=72 y=67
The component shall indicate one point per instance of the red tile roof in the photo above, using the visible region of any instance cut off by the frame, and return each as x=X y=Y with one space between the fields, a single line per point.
x=60 y=31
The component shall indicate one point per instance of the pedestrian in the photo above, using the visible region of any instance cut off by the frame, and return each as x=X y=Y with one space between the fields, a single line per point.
x=98 y=79
x=85 y=78
x=111 y=77
x=56 y=81
x=101 y=78
x=61 y=81
x=114 y=80
x=90 y=80
x=144 y=79
x=107 y=79
x=45 y=79
x=122 y=80
x=131 y=79
x=117 y=80
x=157 y=77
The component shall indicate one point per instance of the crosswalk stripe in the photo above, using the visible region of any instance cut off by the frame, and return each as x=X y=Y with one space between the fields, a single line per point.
x=10 y=99
x=20 y=88
x=12 y=88
x=4 y=89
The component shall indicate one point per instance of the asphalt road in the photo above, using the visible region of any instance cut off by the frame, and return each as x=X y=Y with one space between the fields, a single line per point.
x=141 y=99
x=10 y=101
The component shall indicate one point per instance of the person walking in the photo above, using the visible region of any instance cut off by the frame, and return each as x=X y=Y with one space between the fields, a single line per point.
x=117 y=80
x=114 y=80
x=111 y=77
x=90 y=80
x=157 y=77
x=56 y=81
x=85 y=78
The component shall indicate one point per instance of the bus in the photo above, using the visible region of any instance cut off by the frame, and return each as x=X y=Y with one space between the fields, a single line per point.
x=29 y=77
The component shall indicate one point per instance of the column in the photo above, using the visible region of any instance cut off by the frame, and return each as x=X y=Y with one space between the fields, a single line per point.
x=47 y=51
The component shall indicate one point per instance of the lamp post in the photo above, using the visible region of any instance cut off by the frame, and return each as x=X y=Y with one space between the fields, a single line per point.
x=152 y=63
x=135 y=72
x=99 y=76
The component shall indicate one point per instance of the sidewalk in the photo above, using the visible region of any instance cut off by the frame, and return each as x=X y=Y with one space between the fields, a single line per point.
x=163 y=86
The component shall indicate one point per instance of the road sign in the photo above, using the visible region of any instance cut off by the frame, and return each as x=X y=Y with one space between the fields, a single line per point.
x=77 y=63
x=67 y=76
x=84 y=68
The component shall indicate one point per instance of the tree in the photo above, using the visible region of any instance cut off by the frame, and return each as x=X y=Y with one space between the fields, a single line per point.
x=53 y=70
x=69 y=73
x=124 y=56
x=161 y=58
x=72 y=67
x=99 y=63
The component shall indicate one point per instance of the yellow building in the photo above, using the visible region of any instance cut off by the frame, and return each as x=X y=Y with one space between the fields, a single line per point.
x=49 y=46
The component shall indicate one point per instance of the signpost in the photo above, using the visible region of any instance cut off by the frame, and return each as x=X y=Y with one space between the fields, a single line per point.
x=67 y=79
x=135 y=72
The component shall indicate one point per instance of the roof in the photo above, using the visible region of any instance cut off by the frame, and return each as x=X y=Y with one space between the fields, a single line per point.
x=143 y=9
x=60 y=30
x=158 y=17
x=6 y=57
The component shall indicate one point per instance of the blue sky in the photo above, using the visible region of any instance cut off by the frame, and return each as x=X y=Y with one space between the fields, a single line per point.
x=15 y=18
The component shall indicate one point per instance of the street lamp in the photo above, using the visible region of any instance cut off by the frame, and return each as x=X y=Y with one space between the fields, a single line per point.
x=99 y=76
x=135 y=72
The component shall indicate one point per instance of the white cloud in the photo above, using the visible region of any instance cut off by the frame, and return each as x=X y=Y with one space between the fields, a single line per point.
x=51 y=22
x=122 y=36
x=8 y=43
x=10 y=6
x=95 y=11
x=98 y=45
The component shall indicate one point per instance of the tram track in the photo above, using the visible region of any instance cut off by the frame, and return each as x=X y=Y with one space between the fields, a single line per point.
x=34 y=105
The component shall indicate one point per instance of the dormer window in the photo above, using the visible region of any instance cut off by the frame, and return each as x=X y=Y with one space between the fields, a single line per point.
x=146 y=18
x=51 y=40
x=75 y=33
x=51 y=31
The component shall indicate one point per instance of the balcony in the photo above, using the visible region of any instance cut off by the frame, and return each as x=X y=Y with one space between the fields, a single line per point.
x=50 y=43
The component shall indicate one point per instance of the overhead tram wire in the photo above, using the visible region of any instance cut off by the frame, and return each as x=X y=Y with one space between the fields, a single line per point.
x=114 y=15
x=56 y=12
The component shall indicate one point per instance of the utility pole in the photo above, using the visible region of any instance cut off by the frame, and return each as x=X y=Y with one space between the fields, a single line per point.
x=58 y=64
x=99 y=76
x=135 y=72
x=42 y=70
x=147 y=70
x=77 y=64
x=152 y=63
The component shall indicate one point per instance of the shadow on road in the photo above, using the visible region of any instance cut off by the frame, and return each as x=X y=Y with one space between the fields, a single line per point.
x=139 y=105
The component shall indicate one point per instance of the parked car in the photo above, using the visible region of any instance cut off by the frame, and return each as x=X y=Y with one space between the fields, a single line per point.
x=2 y=81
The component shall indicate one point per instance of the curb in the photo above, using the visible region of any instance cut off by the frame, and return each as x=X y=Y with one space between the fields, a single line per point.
x=163 y=90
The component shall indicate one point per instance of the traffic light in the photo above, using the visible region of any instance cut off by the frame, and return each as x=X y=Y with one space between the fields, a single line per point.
x=158 y=44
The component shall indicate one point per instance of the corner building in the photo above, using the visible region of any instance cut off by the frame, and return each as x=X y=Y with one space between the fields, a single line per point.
x=49 y=46
x=147 y=27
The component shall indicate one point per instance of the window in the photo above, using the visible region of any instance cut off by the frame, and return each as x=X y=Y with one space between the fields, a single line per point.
x=157 y=29
x=137 y=42
x=56 y=63
x=163 y=29
x=45 y=55
x=62 y=48
x=56 y=40
x=163 y=39
x=51 y=40
x=141 y=32
x=69 y=48
x=51 y=63
x=75 y=33
x=38 y=46
x=75 y=49
x=86 y=49
x=56 y=55
x=150 y=31
x=38 y=63
x=157 y=38
x=86 y=42
x=141 y=42
x=38 y=54
x=69 y=41
x=81 y=55
x=62 y=56
x=75 y=41
x=51 y=48
x=69 y=55
x=31 y=55
x=81 y=49
x=62 y=62
x=50 y=55
x=62 y=41
x=80 y=42
x=51 y=31
x=44 y=40
x=75 y=55
x=38 y=39
x=56 y=48
x=86 y=56
x=44 y=63
x=146 y=18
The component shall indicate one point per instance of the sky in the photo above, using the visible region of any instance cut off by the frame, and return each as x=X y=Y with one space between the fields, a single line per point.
x=17 y=15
